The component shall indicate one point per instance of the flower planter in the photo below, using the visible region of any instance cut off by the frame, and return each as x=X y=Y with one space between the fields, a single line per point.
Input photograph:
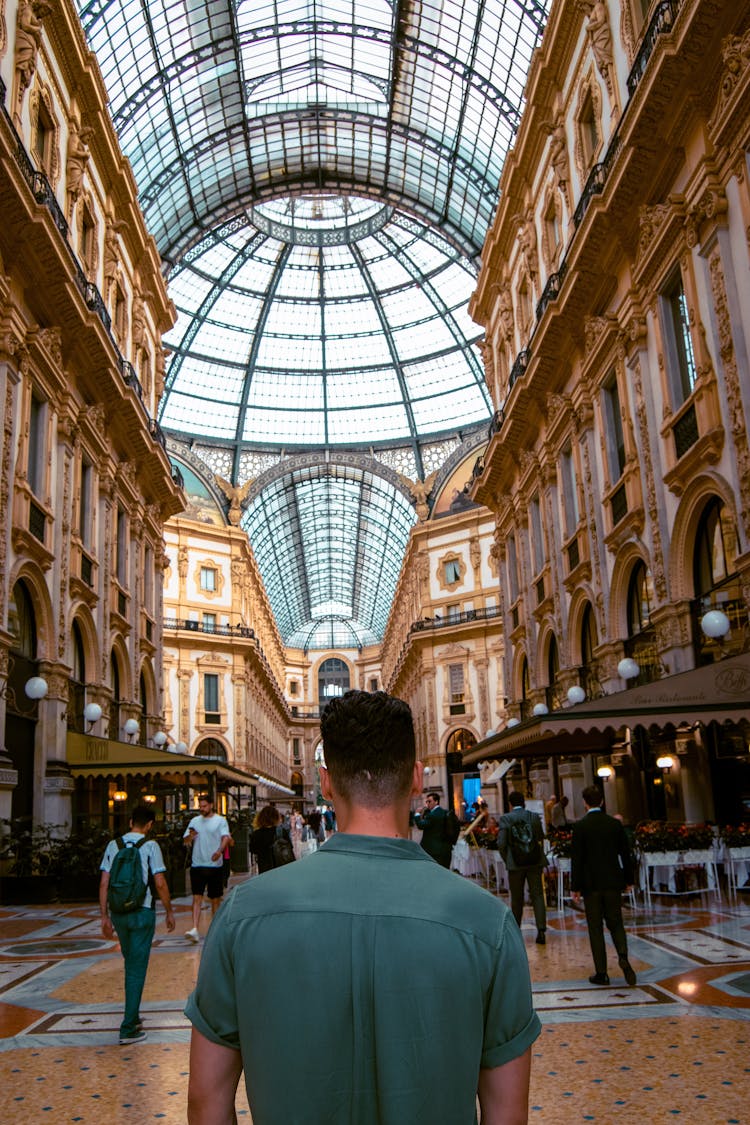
x=79 y=888
x=27 y=890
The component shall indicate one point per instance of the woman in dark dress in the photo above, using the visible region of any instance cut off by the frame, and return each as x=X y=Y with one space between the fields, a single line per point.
x=263 y=835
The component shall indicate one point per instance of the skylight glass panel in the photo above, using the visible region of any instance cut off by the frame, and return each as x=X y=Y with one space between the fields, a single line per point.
x=269 y=389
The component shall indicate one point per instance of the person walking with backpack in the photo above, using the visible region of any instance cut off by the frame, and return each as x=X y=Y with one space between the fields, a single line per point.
x=520 y=844
x=129 y=866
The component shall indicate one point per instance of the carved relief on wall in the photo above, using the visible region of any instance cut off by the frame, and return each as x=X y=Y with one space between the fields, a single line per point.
x=600 y=36
x=558 y=157
x=527 y=242
x=29 y=28
x=552 y=212
x=3 y=29
x=43 y=117
x=736 y=57
x=588 y=116
x=732 y=384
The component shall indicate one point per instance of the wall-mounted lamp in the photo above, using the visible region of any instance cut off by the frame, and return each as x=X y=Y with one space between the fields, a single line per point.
x=427 y=771
x=92 y=713
x=490 y=733
x=628 y=668
x=665 y=762
x=180 y=748
x=159 y=739
x=131 y=728
x=715 y=624
x=119 y=795
x=604 y=772
x=576 y=694
x=149 y=798
x=513 y=722
x=36 y=688
x=540 y=709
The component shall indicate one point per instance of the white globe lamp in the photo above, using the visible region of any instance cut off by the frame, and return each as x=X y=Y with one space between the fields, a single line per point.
x=36 y=687
x=160 y=738
x=540 y=709
x=628 y=668
x=181 y=748
x=576 y=694
x=132 y=726
x=715 y=624
x=513 y=722
x=92 y=712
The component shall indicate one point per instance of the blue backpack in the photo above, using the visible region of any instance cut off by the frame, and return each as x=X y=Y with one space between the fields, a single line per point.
x=127 y=887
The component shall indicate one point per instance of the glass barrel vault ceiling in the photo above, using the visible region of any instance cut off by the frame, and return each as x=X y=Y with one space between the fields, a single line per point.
x=319 y=176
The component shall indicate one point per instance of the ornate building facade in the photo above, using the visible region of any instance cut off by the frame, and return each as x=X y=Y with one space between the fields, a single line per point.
x=85 y=482
x=615 y=298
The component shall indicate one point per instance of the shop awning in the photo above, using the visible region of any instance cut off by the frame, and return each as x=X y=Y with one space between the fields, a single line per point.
x=717 y=692
x=89 y=756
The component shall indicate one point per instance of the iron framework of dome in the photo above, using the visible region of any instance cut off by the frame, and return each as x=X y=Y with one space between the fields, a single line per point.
x=319 y=176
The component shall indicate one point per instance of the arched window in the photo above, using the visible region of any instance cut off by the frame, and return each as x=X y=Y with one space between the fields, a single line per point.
x=589 y=641
x=22 y=622
x=716 y=583
x=525 y=688
x=77 y=682
x=144 y=710
x=553 y=672
x=211 y=748
x=333 y=679
x=640 y=599
x=114 y=707
x=716 y=548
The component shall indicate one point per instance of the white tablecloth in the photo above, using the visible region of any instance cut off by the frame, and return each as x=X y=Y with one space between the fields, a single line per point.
x=666 y=864
x=736 y=864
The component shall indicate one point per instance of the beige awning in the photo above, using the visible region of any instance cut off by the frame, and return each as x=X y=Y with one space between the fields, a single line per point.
x=716 y=692
x=89 y=756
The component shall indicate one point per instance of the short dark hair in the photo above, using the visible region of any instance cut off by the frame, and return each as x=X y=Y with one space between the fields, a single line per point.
x=141 y=816
x=593 y=796
x=267 y=817
x=369 y=747
x=515 y=799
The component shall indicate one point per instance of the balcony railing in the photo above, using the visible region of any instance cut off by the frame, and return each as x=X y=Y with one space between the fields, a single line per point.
x=685 y=431
x=551 y=290
x=485 y=613
x=519 y=366
x=205 y=627
x=661 y=22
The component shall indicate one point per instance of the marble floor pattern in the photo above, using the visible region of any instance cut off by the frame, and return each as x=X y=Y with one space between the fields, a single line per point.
x=674 y=1047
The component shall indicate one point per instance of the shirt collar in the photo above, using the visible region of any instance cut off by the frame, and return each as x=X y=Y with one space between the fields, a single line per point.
x=393 y=847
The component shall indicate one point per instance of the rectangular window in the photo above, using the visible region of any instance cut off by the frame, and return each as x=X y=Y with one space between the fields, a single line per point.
x=209 y=622
x=84 y=505
x=374 y=684
x=679 y=343
x=452 y=571
x=35 y=469
x=537 y=535
x=569 y=491
x=296 y=752
x=211 y=697
x=121 y=567
x=454 y=611
x=512 y=568
x=208 y=579
x=148 y=579
x=293 y=687
x=615 y=440
x=456 y=689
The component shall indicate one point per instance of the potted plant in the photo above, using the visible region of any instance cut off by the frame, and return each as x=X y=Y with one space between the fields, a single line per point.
x=77 y=860
x=28 y=856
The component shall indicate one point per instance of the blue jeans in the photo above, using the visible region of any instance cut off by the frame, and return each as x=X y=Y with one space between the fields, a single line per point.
x=136 y=932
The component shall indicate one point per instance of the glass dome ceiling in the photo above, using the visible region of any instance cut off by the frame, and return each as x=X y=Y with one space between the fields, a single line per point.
x=324 y=321
x=319 y=176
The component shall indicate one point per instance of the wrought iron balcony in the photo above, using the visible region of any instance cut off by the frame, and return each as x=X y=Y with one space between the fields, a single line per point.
x=469 y=615
x=551 y=290
x=662 y=21
x=519 y=366
x=204 y=627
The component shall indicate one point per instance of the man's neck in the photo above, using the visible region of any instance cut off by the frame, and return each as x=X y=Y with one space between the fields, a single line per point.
x=388 y=821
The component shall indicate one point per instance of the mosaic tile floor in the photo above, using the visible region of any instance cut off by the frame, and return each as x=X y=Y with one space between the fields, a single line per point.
x=677 y=1046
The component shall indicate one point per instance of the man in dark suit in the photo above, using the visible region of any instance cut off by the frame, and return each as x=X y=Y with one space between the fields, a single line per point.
x=435 y=838
x=601 y=869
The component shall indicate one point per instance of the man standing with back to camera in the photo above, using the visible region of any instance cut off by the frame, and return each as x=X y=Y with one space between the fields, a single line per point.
x=422 y=976
x=435 y=838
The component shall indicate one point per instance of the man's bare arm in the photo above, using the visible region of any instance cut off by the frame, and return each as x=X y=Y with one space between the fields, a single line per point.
x=504 y=1092
x=214 y=1074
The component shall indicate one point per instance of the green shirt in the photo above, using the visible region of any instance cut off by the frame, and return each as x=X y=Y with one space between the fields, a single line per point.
x=364 y=985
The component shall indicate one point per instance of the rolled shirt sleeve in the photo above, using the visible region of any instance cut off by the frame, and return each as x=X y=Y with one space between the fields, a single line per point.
x=511 y=1025
x=212 y=1007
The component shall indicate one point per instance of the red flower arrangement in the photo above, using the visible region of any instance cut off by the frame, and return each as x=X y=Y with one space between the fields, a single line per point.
x=735 y=835
x=561 y=841
x=662 y=836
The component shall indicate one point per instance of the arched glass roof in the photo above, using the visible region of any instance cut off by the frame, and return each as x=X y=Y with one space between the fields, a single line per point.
x=319 y=176
x=323 y=321
x=348 y=527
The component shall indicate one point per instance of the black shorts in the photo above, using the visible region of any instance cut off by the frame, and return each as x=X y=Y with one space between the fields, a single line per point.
x=210 y=879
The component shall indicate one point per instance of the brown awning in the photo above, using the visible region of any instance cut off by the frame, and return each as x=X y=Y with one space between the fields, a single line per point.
x=716 y=692
x=89 y=756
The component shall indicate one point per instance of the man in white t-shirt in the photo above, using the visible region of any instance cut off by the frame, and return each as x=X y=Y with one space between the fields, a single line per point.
x=136 y=928
x=207 y=835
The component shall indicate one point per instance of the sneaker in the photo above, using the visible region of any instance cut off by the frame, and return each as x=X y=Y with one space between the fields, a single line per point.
x=599 y=978
x=628 y=971
x=541 y=937
x=136 y=1037
x=193 y=935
